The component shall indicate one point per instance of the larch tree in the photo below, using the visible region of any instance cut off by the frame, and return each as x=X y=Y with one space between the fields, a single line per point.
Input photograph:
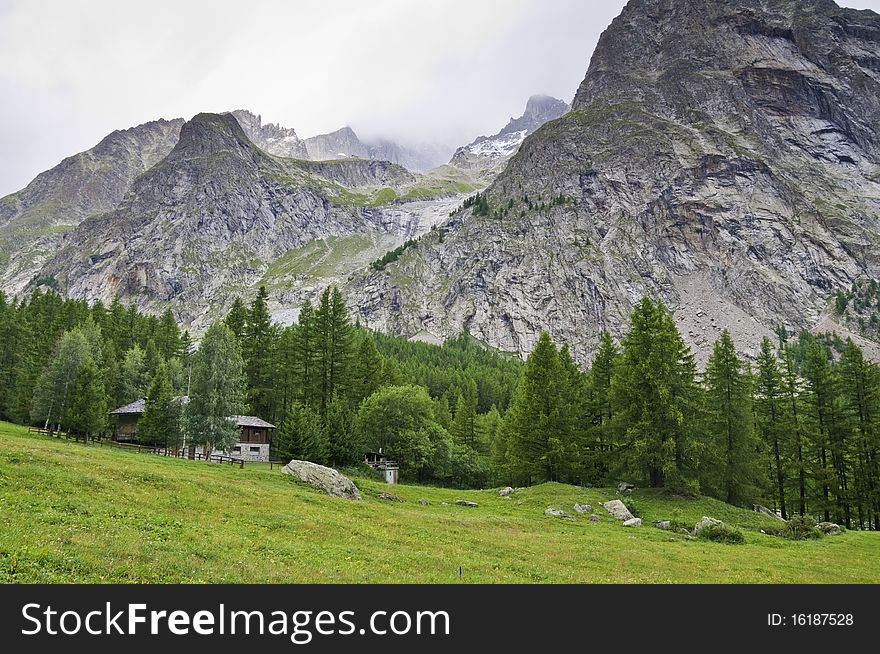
x=734 y=466
x=217 y=391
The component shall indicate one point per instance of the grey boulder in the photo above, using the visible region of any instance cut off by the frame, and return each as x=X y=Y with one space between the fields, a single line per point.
x=504 y=492
x=633 y=522
x=704 y=522
x=466 y=503
x=583 y=508
x=322 y=478
x=618 y=510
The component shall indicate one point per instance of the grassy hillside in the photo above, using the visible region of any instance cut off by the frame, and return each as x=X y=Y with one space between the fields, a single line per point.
x=84 y=513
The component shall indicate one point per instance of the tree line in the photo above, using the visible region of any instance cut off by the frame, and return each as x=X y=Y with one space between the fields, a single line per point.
x=797 y=429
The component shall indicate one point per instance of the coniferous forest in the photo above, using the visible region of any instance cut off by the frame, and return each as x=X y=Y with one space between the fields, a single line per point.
x=798 y=429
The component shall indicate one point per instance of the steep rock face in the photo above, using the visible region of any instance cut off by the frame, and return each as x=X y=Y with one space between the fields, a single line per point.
x=489 y=154
x=33 y=220
x=202 y=225
x=720 y=154
x=336 y=145
x=271 y=137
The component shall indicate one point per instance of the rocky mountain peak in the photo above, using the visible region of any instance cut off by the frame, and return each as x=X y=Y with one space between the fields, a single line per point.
x=271 y=137
x=210 y=134
x=720 y=154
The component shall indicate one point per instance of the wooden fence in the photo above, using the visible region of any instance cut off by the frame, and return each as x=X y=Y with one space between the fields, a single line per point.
x=179 y=453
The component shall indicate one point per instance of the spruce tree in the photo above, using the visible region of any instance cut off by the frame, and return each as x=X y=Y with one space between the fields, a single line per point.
x=793 y=398
x=367 y=377
x=168 y=339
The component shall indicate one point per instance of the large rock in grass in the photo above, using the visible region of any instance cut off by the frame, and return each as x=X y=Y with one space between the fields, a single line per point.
x=618 y=510
x=633 y=522
x=704 y=522
x=829 y=528
x=323 y=478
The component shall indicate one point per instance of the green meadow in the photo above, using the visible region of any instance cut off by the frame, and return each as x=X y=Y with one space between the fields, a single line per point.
x=71 y=512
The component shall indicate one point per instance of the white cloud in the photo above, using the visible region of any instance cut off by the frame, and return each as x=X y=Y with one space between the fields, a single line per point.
x=432 y=70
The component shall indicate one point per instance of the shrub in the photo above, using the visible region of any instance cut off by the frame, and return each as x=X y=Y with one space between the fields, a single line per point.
x=632 y=507
x=800 y=528
x=722 y=534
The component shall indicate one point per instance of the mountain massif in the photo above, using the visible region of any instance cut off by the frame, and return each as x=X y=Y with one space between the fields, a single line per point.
x=722 y=155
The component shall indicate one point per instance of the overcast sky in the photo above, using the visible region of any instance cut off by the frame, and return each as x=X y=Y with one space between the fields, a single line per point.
x=426 y=70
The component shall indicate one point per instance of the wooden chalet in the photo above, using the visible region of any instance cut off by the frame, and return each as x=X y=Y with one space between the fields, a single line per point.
x=253 y=445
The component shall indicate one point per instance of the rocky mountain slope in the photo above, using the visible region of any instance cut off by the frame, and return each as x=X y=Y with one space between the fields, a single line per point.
x=219 y=215
x=487 y=155
x=721 y=154
x=271 y=137
x=33 y=220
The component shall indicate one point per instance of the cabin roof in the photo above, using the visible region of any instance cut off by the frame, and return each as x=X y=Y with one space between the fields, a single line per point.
x=252 y=421
x=137 y=408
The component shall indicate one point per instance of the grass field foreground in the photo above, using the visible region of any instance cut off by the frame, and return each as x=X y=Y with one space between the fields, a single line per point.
x=71 y=512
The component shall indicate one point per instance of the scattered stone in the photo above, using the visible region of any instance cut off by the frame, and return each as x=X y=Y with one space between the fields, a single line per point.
x=583 y=508
x=322 y=478
x=466 y=503
x=504 y=492
x=594 y=518
x=686 y=532
x=618 y=510
x=625 y=487
x=664 y=524
x=705 y=521
x=829 y=528
x=557 y=513
x=423 y=501
x=633 y=522
x=763 y=509
x=444 y=503
x=389 y=496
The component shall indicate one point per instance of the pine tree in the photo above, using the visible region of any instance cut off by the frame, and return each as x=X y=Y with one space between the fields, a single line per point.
x=135 y=375
x=829 y=445
x=334 y=338
x=343 y=444
x=861 y=391
x=367 y=376
x=736 y=471
x=464 y=426
x=237 y=317
x=792 y=388
x=601 y=374
x=259 y=352
x=160 y=424
x=302 y=436
x=772 y=418
x=168 y=339
x=217 y=391
x=306 y=354
x=654 y=392
x=535 y=423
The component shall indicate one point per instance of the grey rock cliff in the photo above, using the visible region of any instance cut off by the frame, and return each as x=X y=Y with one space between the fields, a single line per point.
x=34 y=220
x=271 y=137
x=723 y=155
